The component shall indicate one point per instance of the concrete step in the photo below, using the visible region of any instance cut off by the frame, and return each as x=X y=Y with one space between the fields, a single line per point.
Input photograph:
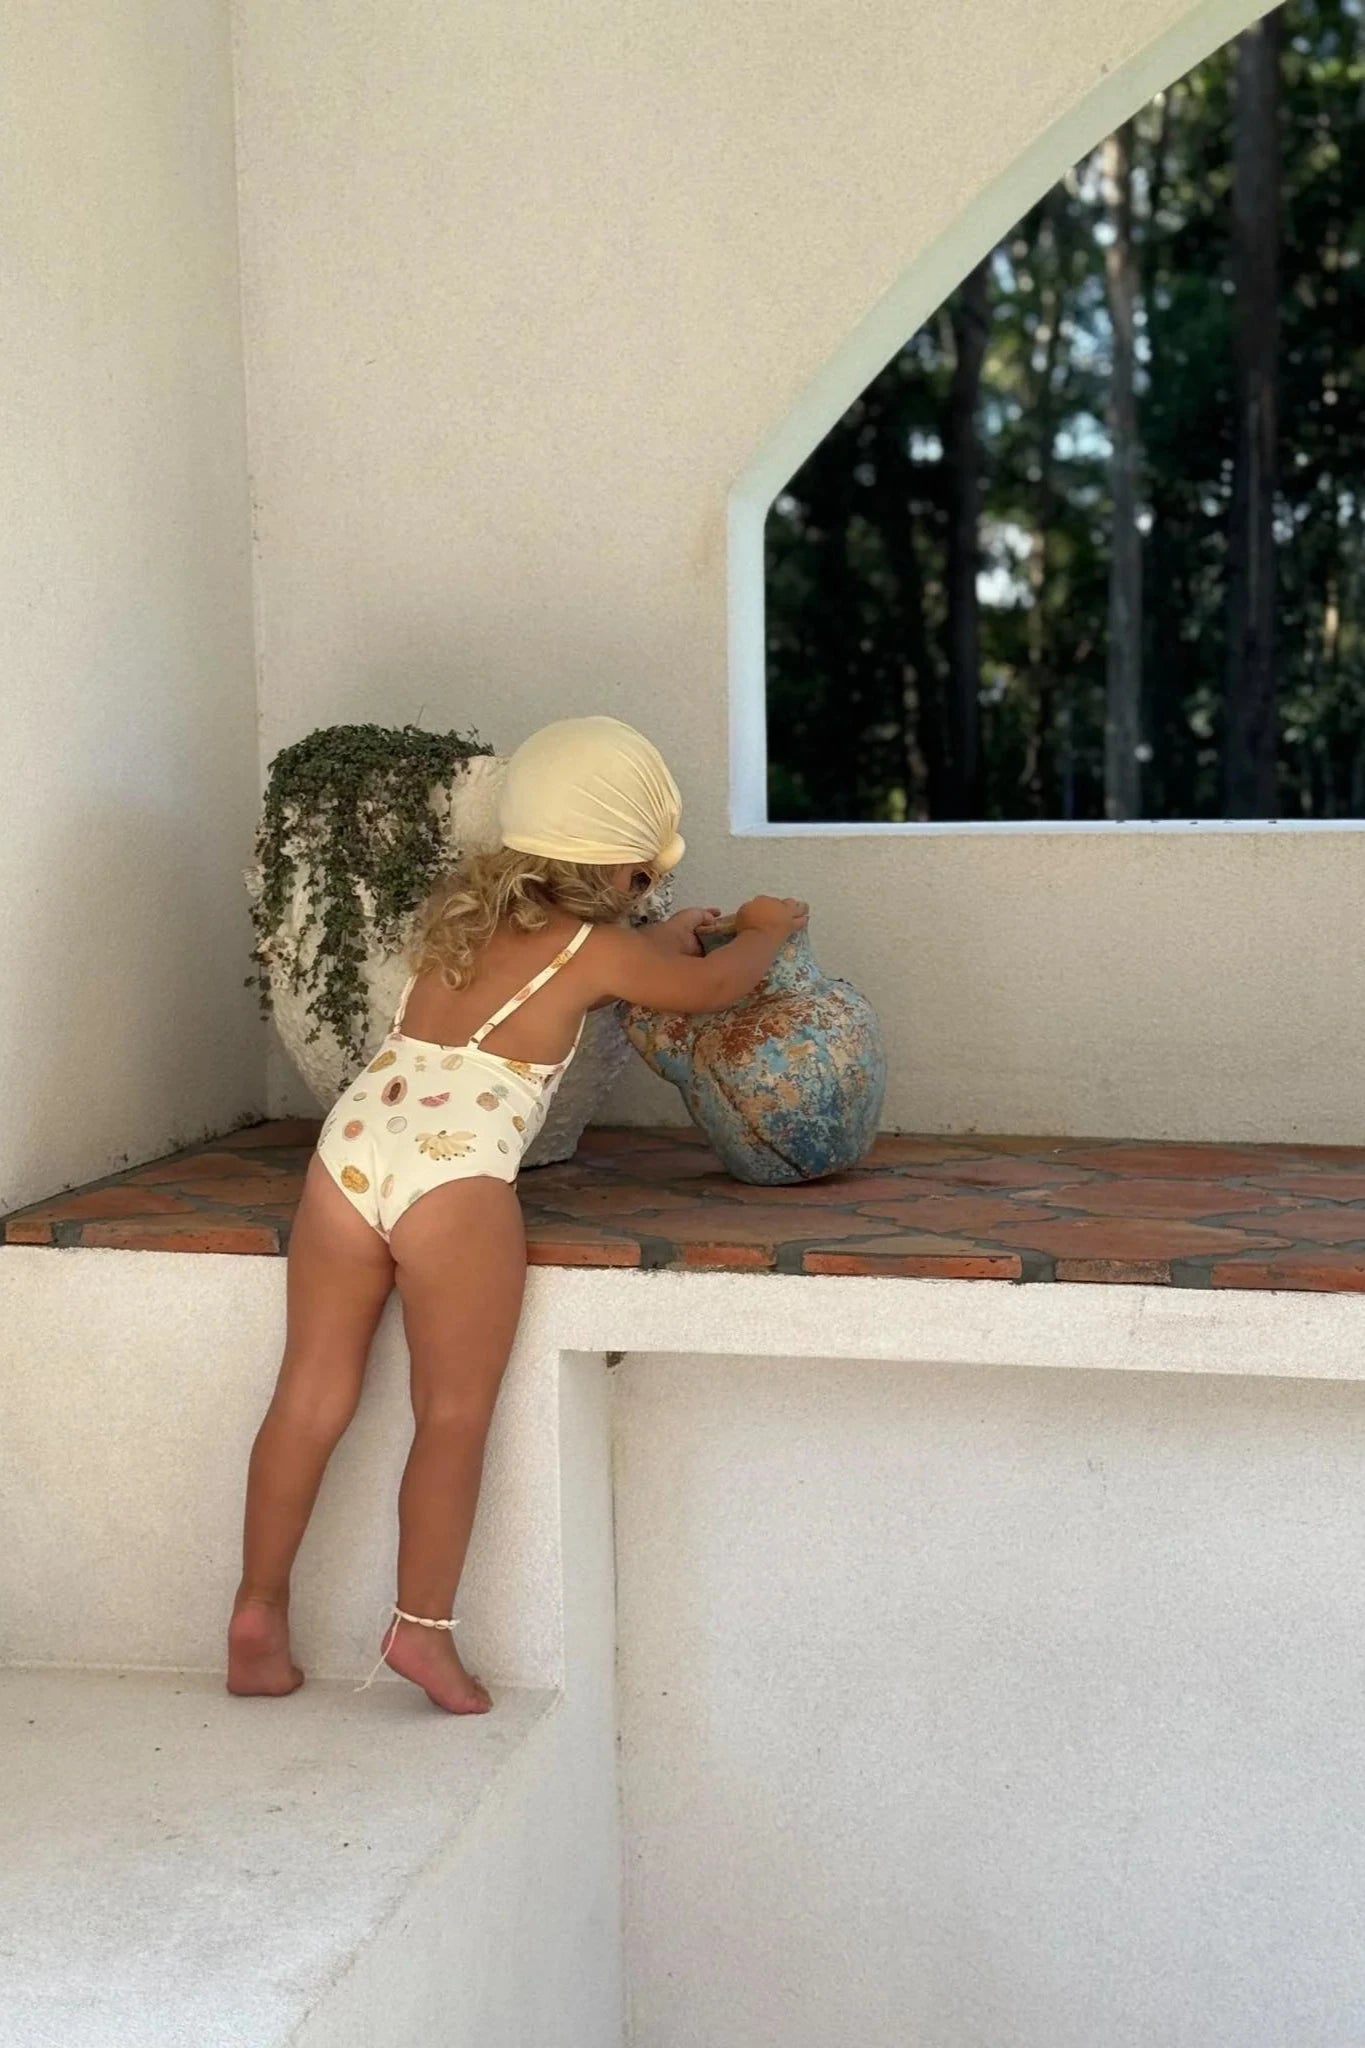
x=178 y=1867
x=334 y=1870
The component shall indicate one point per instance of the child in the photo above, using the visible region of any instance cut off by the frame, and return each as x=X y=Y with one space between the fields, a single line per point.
x=414 y=1181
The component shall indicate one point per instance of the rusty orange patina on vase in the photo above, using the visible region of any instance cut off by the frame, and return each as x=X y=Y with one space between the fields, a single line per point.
x=788 y=1084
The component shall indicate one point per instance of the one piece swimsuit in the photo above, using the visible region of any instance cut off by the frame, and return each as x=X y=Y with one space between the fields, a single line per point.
x=424 y=1114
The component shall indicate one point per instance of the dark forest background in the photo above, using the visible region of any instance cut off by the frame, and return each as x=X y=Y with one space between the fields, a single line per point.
x=1093 y=544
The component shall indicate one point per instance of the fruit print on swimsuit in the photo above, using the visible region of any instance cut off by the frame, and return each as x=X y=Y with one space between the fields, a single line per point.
x=386 y=1059
x=446 y=1144
x=354 y=1181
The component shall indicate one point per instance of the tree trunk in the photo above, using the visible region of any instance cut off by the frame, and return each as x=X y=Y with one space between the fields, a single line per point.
x=1123 y=667
x=1046 y=403
x=1249 y=761
x=962 y=466
x=922 y=721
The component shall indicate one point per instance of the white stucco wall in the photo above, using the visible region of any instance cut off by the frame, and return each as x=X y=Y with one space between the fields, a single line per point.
x=996 y=1681
x=126 y=673
x=972 y=1708
x=528 y=290
x=396 y=1879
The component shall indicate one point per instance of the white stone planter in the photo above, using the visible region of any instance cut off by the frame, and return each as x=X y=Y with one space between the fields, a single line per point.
x=470 y=825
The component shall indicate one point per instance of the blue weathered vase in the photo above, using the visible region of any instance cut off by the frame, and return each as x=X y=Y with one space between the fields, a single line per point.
x=788 y=1084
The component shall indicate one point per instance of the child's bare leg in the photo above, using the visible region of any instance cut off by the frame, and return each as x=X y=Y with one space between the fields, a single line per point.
x=461 y=1254
x=340 y=1275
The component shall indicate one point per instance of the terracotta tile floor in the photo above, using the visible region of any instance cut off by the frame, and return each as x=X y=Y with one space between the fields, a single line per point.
x=968 y=1208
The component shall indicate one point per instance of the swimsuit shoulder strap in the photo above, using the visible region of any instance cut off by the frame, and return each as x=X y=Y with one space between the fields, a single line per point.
x=402 y=1009
x=524 y=995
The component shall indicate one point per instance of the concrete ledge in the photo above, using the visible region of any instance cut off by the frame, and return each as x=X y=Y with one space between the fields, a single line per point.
x=179 y=1866
x=131 y=1384
x=334 y=1870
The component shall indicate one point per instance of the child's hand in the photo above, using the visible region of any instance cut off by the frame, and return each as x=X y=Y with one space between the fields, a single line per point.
x=680 y=932
x=779 y=915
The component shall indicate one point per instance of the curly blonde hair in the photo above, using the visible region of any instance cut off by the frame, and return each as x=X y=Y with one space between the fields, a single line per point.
x=519 y=890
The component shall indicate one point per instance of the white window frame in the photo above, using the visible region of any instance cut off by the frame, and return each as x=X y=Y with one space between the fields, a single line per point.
x=918 y=293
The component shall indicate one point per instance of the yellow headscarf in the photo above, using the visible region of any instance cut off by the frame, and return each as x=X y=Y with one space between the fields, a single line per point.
x=591 y=790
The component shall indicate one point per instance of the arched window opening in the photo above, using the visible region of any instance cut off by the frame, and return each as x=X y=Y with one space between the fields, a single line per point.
x=1092 y=544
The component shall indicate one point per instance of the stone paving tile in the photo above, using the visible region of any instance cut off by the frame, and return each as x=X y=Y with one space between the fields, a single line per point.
x=1301 y=1271
x=119 y=1199
x=601 y=1197
x=250 y=1194
x=1333 y=1224
x=208 y=1165
x=1317 y=1187
x=846 y=1189
x=1131 y=1237
x=659 y=1164
x=705 y=1223
x=568 y=1244
x=1004 y=1172
x=1213 y=1162
x=969 y=1211
x=1076 y=1211
x=910 y=1257
x=729 y=1258
x=888 y=1151
x=284 y=1132
x=246 y=1236
x=1138 y=1196
x=1115 y=1272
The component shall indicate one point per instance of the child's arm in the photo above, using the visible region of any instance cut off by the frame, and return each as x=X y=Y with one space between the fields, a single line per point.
x=645 y=968
x=673 y=936
x=680 y=933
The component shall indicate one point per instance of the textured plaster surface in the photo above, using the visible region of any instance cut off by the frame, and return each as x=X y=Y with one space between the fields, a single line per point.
x=954 y=1615
x=522 y=1942
x=338 y=1869
x=973 y=1707
x=526 y=294
x=131 y=1384
x=184 y=1867
x=128 y=1402
x=127 y=689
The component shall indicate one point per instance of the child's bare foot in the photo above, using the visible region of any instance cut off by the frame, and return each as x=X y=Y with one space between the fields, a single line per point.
x=428 y=1657
x=259 y=1663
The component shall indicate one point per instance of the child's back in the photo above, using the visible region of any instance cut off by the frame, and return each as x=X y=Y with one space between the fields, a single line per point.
x=542 y=1030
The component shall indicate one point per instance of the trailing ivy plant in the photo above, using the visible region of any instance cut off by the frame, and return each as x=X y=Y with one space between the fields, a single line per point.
x=349 y=814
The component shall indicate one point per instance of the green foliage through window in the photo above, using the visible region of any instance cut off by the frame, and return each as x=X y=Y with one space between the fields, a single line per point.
x=897 y=691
